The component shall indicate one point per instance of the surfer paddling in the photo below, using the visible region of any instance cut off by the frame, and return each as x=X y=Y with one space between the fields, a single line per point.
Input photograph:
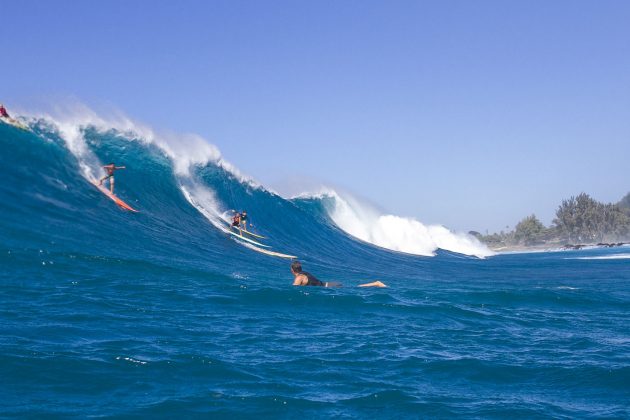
x=110 y=168
x=303 y=278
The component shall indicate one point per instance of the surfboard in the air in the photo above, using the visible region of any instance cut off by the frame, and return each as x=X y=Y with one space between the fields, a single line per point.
x=114 y=197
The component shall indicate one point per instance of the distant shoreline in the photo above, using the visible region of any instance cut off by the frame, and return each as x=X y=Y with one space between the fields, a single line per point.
x=550 y=247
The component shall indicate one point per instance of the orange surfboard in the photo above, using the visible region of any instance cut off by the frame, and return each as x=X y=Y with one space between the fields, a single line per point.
x=114 y=198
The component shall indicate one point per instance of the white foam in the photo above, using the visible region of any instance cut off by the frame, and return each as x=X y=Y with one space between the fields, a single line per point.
x=204 y=200
x=132 y=360
x=394 y=232
x=185 y=150
x=603 y=257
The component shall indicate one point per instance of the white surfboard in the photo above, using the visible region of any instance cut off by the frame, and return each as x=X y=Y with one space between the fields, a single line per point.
x=15 y=123
x=242 y=238
x=271 y=253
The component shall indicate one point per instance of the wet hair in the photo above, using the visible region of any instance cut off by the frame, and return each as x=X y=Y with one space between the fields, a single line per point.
x=296 y=266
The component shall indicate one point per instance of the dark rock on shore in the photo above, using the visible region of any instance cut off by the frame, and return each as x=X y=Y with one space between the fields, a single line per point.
x=601 y=244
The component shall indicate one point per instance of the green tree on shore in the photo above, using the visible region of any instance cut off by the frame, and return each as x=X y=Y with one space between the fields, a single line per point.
x=579 y=220
x=582 y=219
x=574 y=218
x=529 y=231
x=624 y=204
x=614 y=223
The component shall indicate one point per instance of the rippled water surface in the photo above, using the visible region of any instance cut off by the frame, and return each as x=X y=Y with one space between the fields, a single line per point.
x=108 y=313
x=526 y=335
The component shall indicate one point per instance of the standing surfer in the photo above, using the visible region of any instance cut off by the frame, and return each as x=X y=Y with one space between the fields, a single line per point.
x=244 y=220
x=236 y=220
x=239 y=220
x=110 y=168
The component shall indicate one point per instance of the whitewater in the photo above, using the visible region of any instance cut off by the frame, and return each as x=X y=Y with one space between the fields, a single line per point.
x=161 y=313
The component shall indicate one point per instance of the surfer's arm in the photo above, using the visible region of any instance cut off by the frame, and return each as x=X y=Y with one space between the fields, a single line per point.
x=373 y=284
x=120 y=167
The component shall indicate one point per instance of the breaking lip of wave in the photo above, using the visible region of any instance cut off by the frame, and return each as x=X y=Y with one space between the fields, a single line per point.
x=184 y=150
x=392 y=232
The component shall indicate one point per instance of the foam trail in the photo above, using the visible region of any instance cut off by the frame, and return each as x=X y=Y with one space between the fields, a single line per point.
x=204 y=200
x=397 y=233
x=73 y=137
x=603 y=257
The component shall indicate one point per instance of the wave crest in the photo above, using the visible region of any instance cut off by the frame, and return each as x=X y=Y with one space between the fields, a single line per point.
x=392 y=232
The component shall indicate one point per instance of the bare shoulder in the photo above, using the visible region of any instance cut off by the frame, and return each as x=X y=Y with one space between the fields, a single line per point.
x=300 y=280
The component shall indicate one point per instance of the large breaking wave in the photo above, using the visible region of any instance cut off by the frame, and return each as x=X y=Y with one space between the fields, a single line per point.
x=170 y=174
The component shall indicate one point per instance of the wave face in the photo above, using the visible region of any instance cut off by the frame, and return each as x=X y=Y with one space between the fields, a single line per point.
x=160 y=313
x=193 y=190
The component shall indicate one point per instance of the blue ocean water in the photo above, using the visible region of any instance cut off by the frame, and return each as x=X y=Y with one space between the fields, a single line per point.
x=108 y=313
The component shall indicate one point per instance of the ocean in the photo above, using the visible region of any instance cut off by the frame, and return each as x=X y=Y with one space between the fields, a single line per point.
x=108 y=313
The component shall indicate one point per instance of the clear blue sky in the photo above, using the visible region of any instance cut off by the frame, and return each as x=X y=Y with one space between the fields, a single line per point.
x=473 y=114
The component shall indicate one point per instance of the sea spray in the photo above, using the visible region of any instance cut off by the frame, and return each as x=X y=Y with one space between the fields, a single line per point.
x=394 y=232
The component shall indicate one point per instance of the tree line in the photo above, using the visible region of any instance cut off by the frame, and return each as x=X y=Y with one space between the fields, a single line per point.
x=579 y=220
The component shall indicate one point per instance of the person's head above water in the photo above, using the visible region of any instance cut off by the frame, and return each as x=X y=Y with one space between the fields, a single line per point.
x=296 y=267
